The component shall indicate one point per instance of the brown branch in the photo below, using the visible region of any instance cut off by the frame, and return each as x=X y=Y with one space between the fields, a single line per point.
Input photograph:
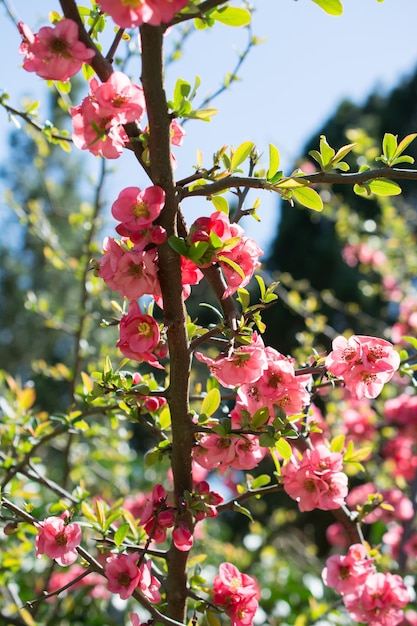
x=331 y=178
x=174 y=311
x=199 y=11
x=29 y=120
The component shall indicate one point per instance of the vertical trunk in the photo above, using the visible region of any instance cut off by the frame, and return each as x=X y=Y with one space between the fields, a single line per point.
x=174 y=310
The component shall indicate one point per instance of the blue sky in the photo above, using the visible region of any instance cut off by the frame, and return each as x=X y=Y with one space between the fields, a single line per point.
x=289 y=85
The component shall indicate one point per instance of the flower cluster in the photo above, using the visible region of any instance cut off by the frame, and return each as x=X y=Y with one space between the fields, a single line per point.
x=58 y=538
x=54 y=53
x=98 y=120
x=364 y=363
x=370 y=597
x=315 y=479
x=237 y=594
x=137 y=12
x=225 y=243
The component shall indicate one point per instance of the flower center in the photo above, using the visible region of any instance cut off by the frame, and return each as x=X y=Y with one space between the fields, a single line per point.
x=61 y=539
x=140 y=210
x=123 y=579
x=145 y=329
x=136 y=269
x=59 y=46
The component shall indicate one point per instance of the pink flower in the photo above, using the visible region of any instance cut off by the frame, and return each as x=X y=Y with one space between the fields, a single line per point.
x=136 y=12
x=245 y=254
x=380 y=601
x=347 y=573
x=122 y=574
x=136 y=209
x=59 y=539
x=216 y=452
x=316 y=480
x=117 y=98
x=139 y=335
x=364 y=363
x=93 y=580
x=278 y=386
x=182 y=537
x=54 y=53
x=131 y=271
x=157 y=515
x=148 y=584
x=97 y=134
x=243 y=365
x=236 y=593
x=98 y=120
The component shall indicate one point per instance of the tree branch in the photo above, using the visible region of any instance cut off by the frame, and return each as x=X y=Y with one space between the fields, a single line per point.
x=330 y=178
x=169 y=271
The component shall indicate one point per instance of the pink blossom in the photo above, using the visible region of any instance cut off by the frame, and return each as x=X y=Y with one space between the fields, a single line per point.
x=245 y=254
x=118 y=98
x=278 y=386
x=364 y=363
x=136 y=209
x=136 y=12
x=380 y=601
x=236 y=451
x=157 y=515
x=131 y=271
x=242 y=365
x=122 y=574
x=236 y=593
x=347 y=573
x=139 y=335
x=58 y=538
x=98 y=120
x=54 y=53
x=316 y=480
x=177 y=133
x=101 y=136
x=182 y=537
x=148 y=584
x=63 y=578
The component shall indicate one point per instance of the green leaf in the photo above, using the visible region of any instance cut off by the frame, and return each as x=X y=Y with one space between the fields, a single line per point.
x=389 y=145
x=211 y=402
x=309 y=198
x=241 y=154
x=326 y=151
x=332 y=7
x=232 y=16
x=267 y=441
x=380 y=187
x=232 y=264
x=338 y=443
x=120 y=534
x=178 y=245
x=260 y=481
x=274 y=161
x=283 y=448
x=220 y=204
x=260 y=417
x=241 y=509
x=404 y=143
x=202 y=114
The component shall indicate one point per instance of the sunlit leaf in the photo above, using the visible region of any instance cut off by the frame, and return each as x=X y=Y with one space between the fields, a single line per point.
x=332 y=7
x=309 y=198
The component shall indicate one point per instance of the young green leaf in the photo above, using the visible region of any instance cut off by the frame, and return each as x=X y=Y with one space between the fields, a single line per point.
x=332 y=7
x=380 y=187
x=274 y=161
x=308 y=198
x=220 y=204
x=211 y=402
x=232 y=16
x=241 y=154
